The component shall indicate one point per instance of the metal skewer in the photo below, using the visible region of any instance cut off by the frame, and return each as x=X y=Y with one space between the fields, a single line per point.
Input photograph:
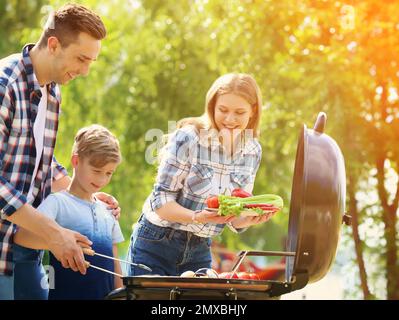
x=104 y=270
x=91 y=252
x=238 y=263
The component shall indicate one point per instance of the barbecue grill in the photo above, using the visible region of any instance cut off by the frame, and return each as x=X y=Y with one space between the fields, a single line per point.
x=316 y=213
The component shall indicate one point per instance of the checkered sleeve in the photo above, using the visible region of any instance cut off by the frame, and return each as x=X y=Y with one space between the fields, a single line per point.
x=174 y=167
x=58 y=170
x=258 y=157
x=256 y=164
x=10 y=198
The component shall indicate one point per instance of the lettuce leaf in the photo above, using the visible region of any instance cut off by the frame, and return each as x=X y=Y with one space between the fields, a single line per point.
x=234 y=205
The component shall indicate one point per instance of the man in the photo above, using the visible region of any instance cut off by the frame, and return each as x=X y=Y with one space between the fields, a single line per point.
x=29 y=109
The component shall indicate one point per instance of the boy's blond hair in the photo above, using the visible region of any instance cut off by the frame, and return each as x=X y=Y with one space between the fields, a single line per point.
x=97 y=144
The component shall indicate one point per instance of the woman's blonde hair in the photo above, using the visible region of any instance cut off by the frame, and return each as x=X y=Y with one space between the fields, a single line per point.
x=97 y=144
x=240 y=84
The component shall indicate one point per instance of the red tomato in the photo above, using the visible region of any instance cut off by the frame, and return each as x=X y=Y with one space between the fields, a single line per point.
x=228 y=275
x=244 y=275
x=253 y=276
x=224 y=275
x=212 y=202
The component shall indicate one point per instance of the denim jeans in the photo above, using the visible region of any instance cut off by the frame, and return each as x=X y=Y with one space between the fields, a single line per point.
x=29 y=280
x=168 y=252
x=6 y=287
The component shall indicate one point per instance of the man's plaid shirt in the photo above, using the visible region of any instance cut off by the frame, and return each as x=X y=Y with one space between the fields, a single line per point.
x=192 y=168
x=19 y=99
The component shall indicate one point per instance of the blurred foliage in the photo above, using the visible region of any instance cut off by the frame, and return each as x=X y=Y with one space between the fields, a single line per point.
x=160 y=58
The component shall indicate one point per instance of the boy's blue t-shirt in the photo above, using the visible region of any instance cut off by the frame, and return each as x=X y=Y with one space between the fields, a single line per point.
x=96 y=222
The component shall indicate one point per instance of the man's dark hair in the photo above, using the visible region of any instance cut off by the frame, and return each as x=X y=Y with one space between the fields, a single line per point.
x=69 y=21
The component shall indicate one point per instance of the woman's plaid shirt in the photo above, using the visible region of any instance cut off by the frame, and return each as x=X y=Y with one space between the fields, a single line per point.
x=19 y=99
x=192 y=168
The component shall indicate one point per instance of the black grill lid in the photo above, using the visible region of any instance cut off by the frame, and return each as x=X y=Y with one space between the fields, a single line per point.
x=317 y=204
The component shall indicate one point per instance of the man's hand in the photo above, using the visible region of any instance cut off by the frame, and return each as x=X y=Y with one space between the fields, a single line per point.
x=111 y=202
x=63 y=243
x=66 y=245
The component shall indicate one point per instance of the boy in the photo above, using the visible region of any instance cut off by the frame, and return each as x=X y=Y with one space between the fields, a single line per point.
x=95 y=156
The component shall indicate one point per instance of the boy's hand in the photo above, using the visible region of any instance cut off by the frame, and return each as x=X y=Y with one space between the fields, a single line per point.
x=111 y=201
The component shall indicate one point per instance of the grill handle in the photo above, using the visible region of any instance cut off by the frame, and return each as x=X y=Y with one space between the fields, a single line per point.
x=347 y=219
x=320 y=122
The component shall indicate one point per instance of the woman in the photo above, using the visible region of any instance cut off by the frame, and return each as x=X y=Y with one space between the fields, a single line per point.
x=211 y=154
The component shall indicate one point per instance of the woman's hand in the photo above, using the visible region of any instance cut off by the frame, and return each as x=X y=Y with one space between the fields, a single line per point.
x=111 y=202
x=205 y=216
x=245 y=222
